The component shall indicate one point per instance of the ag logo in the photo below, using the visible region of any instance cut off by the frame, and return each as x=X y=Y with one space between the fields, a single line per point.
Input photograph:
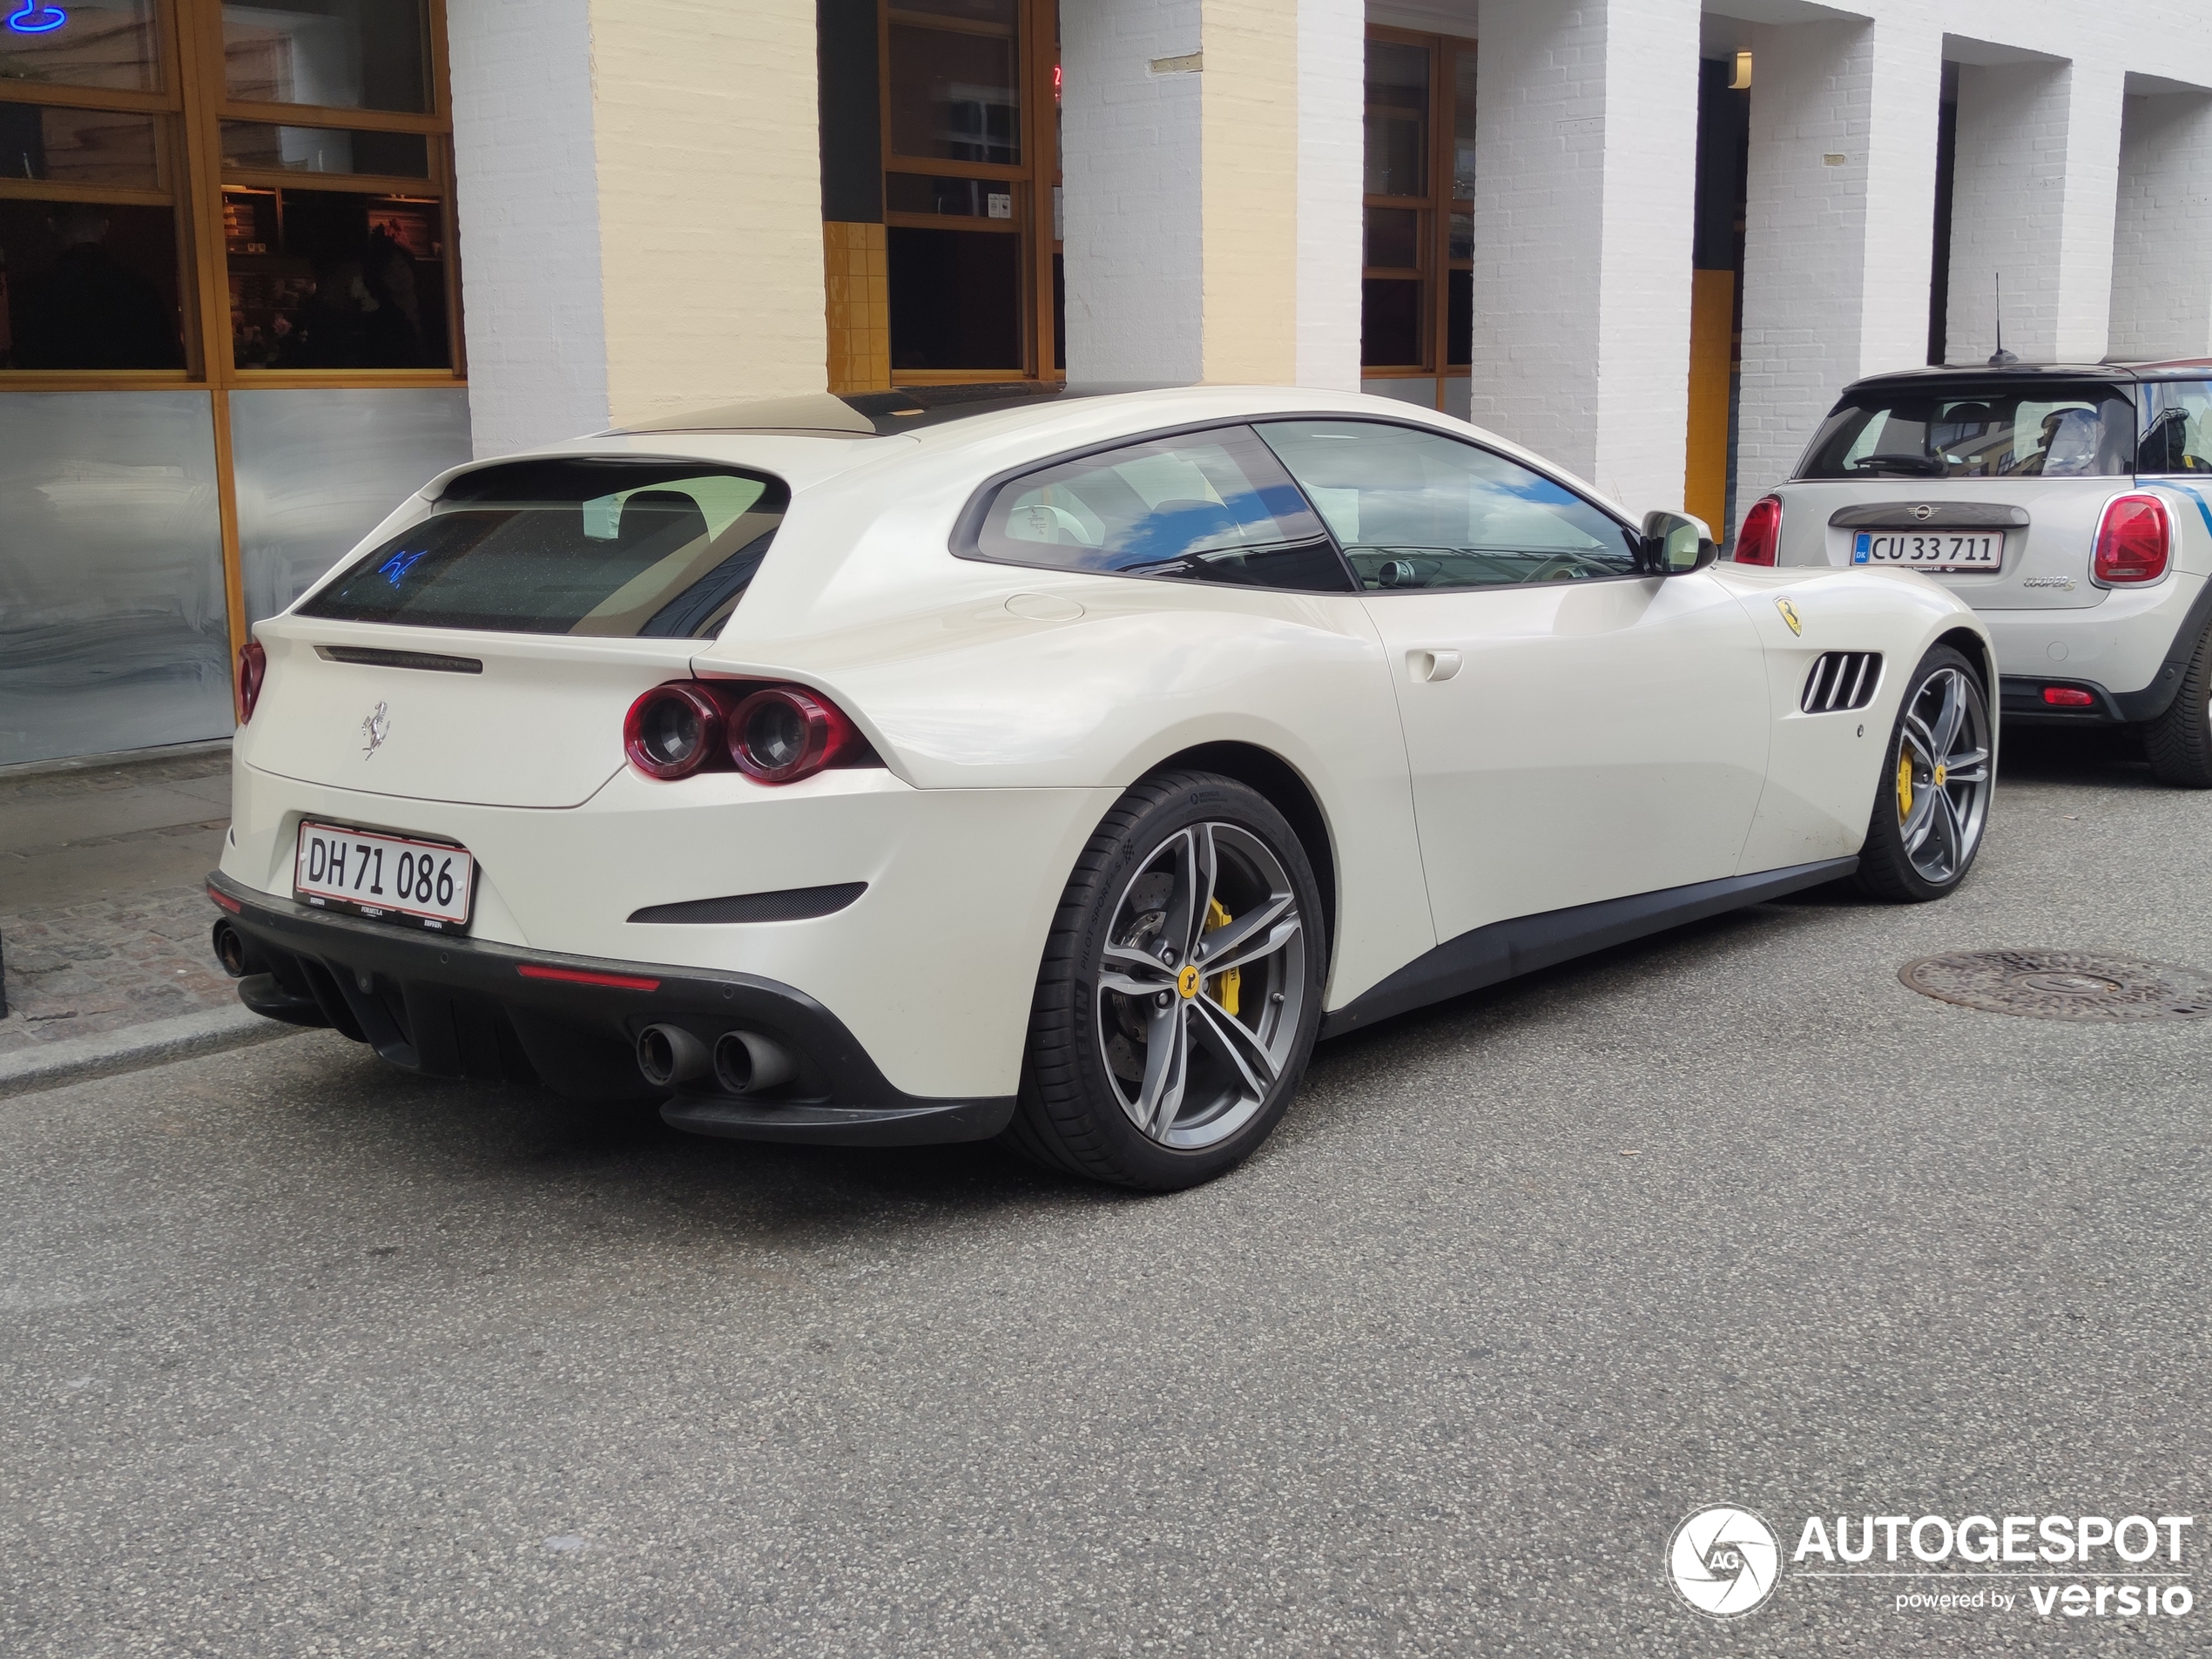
x=1722 y=1560
x=374 y=729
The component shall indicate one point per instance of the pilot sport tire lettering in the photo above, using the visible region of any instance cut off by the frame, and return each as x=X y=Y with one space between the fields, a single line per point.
x=1180 y=991
x=1931 y=801
x=2179 y=742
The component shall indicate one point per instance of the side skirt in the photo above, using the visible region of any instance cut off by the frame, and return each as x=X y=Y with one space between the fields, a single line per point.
x=1504 y=950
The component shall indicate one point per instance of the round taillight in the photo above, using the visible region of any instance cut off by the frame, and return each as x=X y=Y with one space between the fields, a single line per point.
x=2134 y=542
x=671 y=731
x=252 y=668
x=785 y=732
x=1759 y=539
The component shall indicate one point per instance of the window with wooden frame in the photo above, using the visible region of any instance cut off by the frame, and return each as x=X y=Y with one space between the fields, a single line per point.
x=1416 y=264
x=971 y=189
x=225 y=193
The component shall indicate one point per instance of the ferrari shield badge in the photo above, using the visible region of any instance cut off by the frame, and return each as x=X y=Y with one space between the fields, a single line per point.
x=1790 y=614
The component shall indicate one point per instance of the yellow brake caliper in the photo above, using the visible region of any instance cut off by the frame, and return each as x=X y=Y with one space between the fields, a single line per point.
x=1225 y=986
x=1904 y=787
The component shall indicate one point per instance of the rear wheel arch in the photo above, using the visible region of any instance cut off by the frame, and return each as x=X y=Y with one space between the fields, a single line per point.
x=1285 y=789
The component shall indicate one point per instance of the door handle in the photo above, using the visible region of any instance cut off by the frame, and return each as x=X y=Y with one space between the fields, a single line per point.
x=1432 y=665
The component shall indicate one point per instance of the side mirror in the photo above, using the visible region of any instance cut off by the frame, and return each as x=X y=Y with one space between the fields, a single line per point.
x=1675 y=545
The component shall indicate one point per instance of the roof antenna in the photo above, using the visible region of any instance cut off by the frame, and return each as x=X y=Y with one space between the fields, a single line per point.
x=1998 y=358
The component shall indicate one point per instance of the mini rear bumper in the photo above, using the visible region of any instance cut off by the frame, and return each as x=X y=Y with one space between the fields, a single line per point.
x=452 y=1006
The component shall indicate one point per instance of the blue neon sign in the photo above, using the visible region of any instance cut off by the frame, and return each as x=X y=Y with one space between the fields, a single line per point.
x=31 y=18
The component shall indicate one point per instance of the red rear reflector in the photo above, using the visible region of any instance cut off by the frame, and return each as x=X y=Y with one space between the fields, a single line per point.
x=2133 y=542
x=1760 y=538
x=225 y=901
x=580 y=976
x=2068 y=696
x=251 y=668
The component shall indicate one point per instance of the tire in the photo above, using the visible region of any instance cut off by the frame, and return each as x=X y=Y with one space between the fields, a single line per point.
x=1933 y=802
x=2179 y=742
x=1141 y=1070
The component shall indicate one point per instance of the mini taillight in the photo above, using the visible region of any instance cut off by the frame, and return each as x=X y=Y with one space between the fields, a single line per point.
x=252 y=668
x=2134 y=542
x=2068 y=696
x=1760 y=537
x=671 y=731
x=787 y=733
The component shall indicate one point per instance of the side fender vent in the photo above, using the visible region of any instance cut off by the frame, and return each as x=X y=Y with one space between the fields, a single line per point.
x=1842 y=679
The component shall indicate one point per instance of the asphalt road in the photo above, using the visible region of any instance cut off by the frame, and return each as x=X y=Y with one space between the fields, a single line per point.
x=299 y=1355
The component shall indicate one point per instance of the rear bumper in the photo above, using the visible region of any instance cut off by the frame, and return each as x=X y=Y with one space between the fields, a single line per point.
x=467 y=1007
x=2130 y=652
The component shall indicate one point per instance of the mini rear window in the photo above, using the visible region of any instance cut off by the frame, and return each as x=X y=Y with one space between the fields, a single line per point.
x=2003 y=429
x=613 y=548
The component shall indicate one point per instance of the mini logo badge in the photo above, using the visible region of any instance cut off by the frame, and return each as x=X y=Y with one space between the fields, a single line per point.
x=375 y=727
x=1790 y=614
x=1724 y=1560
x=1923 y=512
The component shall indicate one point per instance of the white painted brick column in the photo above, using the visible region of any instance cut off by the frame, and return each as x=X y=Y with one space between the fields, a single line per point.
x=639 y=188
x=2033 y=198
x=1585 y=138
x=1838 y=231
x=2161 y=251
x=1210 y=153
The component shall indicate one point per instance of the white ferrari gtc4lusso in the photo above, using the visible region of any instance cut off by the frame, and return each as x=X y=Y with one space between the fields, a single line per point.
x=900 y=768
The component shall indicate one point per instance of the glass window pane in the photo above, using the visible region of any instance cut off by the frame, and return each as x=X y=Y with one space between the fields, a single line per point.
x=1459 y=320
x=1418 y=509
x=1397 y=119
x=2178 y=426
x=260 y=146
x=78 y=146
x=915 y=193
x=2003 y=429
x=1395 y=237
x=1463 y=125
x=955 y=94
x=91 y=286
x=87 y=43
x=1462 y=237
x=616 y=550
x=1390 y=322
x=955 y=298
x=1214 y=506
x=328 y=279
x=344 y=54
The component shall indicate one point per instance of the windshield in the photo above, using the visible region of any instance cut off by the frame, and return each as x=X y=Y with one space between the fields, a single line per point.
x=2004 y=429
x=612 y=548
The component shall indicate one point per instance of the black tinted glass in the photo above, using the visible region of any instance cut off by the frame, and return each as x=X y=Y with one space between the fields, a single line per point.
x=2003 y=429
x=612 y=548
x=2178 y=426
x=1206 y=507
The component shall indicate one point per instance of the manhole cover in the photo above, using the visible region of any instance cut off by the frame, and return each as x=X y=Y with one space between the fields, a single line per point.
x=2062 y=985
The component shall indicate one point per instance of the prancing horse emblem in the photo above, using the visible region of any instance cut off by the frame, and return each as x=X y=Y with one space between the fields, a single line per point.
x=1789 y=615
x=376 y=726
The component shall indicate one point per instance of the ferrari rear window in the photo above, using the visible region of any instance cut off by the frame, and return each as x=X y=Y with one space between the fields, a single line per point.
x=614 y=548
x=1954 y=429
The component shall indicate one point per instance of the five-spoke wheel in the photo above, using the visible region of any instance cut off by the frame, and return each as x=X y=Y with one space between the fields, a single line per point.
x=1929 y=816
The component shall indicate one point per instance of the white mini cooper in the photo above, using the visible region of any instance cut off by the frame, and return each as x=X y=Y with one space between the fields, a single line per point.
x=883 y=771
x=2071 y=507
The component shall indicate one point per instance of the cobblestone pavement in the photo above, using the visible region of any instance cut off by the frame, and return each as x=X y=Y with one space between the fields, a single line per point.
x=103 y=921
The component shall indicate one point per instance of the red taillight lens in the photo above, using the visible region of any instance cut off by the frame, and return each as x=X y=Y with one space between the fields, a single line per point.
x=2135 y=542
x=671 y=731
x=2068 y=696
x=252 y=668
x=1760 y=538
x=785 y=732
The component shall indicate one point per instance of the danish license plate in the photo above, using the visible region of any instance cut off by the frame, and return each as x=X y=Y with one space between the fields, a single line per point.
x=423 y=884
x=1929 y=549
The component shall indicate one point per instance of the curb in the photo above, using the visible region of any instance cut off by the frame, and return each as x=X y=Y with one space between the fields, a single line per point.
x=53 y=1065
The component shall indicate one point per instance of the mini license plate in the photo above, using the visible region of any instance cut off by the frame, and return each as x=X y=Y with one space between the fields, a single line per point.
x=423 y=884
x=1930 y=550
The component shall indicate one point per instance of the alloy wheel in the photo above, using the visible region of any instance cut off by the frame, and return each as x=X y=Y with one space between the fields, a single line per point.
x=1943 y=775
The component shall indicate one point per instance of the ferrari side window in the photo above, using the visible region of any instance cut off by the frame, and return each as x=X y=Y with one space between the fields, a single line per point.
x=1204 y=507
x=1418 y=509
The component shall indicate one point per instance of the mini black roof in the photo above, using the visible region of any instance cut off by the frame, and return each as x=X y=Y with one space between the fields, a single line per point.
x=870 y=414
x=1982 y=374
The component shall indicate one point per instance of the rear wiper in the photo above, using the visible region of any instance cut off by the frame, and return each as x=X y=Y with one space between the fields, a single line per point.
x=1926 y=466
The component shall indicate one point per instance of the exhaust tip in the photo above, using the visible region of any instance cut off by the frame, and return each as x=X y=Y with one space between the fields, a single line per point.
x=668 y=1055
x=230 y=949
x=745 y=1062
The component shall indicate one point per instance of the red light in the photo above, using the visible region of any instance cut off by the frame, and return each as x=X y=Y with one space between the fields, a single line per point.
x=225 y=901
x=1760 y=537
x=671 y=731
x=252 y=668
x=581 y=976
x=787 y=733
x=2134 y=542
x=2068 y=696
